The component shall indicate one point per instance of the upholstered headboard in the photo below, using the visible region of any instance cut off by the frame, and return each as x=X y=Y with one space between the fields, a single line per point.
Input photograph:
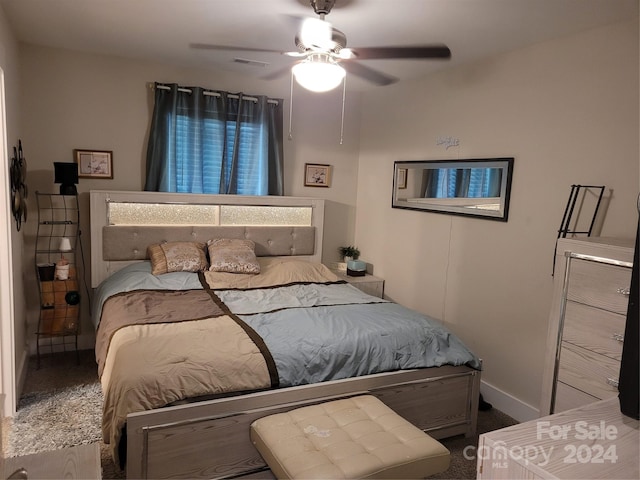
x=124 y=224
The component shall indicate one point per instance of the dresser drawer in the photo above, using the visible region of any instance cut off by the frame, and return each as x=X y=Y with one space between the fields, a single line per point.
x=588 y=371
x=594 y=329
x=568 y=397
x=598 y=284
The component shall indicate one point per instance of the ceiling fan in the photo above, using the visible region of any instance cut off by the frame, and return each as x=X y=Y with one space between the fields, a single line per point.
x=325 y=57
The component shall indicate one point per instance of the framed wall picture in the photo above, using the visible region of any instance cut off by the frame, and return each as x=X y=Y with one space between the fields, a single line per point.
x=317 y=175
x=94 y=163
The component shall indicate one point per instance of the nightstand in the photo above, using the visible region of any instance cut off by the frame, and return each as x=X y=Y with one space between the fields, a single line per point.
x=368 y=283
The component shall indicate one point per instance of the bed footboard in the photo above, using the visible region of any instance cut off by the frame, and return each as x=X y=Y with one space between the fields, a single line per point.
x=211 y=439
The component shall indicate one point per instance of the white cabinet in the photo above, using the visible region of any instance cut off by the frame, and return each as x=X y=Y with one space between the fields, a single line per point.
x=367 y=283
x=586 y=324
x=595 y=441
x=81 y=461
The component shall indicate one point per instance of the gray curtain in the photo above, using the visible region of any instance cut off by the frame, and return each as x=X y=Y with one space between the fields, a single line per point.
x=214 y=142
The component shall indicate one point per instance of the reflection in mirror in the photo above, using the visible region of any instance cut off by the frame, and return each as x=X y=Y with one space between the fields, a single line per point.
x=475 y=187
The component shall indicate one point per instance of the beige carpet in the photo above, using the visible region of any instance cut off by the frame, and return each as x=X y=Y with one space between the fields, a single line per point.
x=61 y=406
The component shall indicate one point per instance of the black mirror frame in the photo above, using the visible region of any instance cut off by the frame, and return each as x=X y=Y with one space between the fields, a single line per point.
x=400 y=175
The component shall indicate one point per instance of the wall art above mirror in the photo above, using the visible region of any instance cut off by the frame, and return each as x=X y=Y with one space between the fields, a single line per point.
x=478 y=187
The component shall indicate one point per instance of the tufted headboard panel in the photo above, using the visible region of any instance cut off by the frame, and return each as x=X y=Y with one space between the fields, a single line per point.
x=117 y=241
x=131 y=242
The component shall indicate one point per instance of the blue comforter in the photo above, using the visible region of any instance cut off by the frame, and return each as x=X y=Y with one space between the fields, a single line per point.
x=317 y=332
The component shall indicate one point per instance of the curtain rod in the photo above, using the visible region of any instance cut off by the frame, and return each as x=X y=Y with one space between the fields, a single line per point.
x=212 y=94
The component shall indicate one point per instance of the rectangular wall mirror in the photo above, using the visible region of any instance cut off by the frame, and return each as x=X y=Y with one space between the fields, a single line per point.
x=473 y=187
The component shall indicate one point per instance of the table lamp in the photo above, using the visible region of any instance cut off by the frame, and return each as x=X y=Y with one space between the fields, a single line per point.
x=66 y=174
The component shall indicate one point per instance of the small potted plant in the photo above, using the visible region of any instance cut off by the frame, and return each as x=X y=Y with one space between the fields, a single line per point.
x=349 y=253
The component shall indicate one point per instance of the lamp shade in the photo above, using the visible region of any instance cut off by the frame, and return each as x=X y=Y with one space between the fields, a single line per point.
x=66 y=174
x=318 y=73
x=65 y=244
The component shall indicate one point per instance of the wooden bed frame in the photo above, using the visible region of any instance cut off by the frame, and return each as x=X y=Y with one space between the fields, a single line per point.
x=210 y=439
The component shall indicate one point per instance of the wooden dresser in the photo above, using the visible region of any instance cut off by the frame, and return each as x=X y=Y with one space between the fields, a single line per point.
x=81 y=461
x=587 y=321
x=595 y=441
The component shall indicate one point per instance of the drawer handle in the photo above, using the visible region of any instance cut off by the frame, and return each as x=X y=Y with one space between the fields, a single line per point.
x=624 y=291
x=612 y=381
x=618 y=336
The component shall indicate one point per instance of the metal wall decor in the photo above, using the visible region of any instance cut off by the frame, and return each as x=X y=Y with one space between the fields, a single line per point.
x=19 y=191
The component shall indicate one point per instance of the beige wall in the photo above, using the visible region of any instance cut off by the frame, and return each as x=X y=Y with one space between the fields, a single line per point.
x=567 y=110
x=72 y=100
x=12 y=302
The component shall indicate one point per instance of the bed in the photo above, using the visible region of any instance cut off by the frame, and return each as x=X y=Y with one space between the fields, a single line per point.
x=218 y=349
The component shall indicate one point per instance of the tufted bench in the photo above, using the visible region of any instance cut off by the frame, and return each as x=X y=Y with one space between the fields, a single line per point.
x=359 y=437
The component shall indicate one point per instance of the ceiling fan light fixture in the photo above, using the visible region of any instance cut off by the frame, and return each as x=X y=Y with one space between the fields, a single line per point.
x=318 y=73
x=316 y=33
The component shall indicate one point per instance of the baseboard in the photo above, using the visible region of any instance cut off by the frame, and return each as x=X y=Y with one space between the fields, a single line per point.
x=21 y=373
x=508 y=404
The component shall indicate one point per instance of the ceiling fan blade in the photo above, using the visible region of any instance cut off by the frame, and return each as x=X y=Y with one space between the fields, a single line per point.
x=207 y=46
x=417 y=52
x=278 y=73
x=367 y=73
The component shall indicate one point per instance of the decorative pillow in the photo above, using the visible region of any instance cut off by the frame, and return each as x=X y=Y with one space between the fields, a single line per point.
x=233 y=256
x=177 y=257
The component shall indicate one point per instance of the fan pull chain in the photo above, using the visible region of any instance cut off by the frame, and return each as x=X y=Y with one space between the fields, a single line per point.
x=291 y=105
x=344 y=95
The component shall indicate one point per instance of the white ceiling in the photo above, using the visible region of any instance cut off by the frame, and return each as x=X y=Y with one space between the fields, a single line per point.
x=161 y=30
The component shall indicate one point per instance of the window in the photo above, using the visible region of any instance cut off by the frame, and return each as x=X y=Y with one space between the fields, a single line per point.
x=251 y=167
x=215 y=142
